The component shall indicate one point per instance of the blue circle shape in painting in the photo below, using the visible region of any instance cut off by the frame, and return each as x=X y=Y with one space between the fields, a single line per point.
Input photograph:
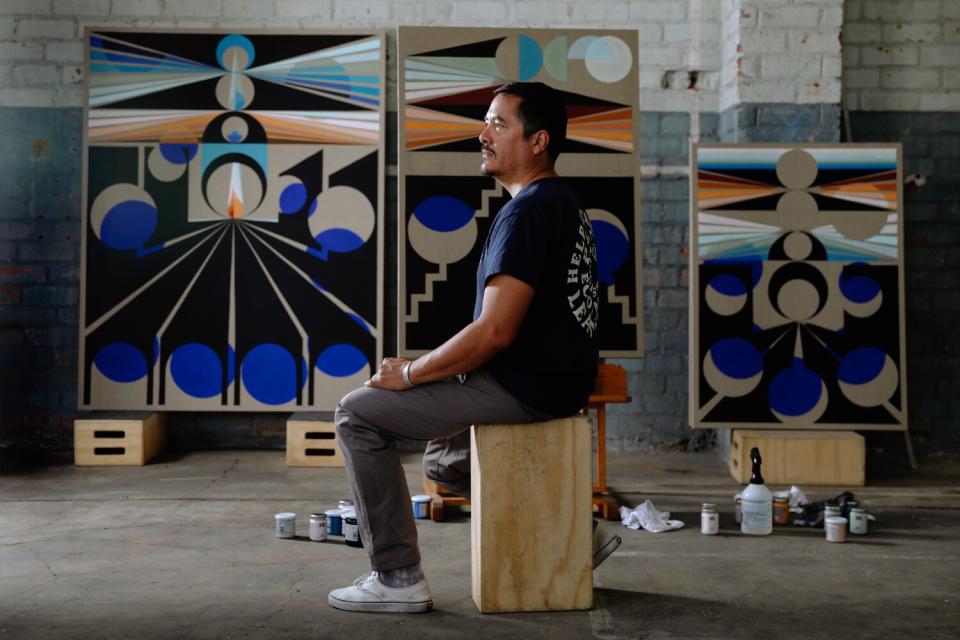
x=339 y=240
x=293 y=198
x=341 y=360
x=121 y=362
x=736 y=358
x=197 y=370
x=235 y=40
x=728 y=285
x=128 y=225
x=612 y=247
x=443 y=213
x=269 y=374
x=531 y=57
x=861 y=365
x=178 y=152
x=795 y=391
x=859 y=288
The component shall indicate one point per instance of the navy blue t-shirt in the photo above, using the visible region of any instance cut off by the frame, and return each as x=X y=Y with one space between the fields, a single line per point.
x=543 y=237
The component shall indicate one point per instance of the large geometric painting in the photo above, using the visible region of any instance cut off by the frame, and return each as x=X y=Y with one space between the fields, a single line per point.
x=233 y=219
x=797 y=314
x=447 y=77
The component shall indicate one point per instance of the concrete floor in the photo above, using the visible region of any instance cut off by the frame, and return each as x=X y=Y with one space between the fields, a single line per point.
x=185 y=548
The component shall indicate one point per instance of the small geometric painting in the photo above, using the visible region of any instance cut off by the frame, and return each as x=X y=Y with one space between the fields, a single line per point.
x=796 y=287
x=233 y=219
x=447 y=80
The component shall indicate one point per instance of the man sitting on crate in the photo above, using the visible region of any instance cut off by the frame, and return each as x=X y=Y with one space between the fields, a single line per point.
x=530 y=353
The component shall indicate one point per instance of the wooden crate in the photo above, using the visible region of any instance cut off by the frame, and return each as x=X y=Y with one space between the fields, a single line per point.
x=835 y=458
x=530 y=520
x=118 y=439
x=312 y=442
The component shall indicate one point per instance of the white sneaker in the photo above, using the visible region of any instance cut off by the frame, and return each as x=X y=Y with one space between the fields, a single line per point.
x=604 y=543
x=369 y=594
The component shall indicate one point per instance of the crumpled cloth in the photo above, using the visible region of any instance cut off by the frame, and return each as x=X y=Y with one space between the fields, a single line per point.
x=647 y=516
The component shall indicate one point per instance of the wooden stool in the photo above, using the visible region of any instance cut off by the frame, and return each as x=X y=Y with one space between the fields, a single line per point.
x=611 y=386
x=530 y=520
x=118 y=439
x=312 y=442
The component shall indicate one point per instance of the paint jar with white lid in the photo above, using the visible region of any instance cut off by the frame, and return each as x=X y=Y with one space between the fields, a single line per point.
x=836 y=529
x=709 y=519
x=286 y=524
x=858 y=521
x=421 y=506
x=318 y=527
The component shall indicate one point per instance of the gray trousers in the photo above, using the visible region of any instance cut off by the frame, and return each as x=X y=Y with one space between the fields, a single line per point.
x=369 y=424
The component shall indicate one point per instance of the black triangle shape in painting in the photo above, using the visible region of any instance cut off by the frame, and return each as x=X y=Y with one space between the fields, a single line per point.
x=474 y=104
x=484 y=49
x=273 y=96
x=826 y=203
x=196 y=95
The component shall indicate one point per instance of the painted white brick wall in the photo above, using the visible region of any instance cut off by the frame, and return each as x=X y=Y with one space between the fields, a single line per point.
x=901 y=55
x=781 y=51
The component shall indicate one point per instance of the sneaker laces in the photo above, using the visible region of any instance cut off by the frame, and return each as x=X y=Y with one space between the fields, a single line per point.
x=365 y=579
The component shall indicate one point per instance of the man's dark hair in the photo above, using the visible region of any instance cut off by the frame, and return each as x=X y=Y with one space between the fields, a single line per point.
x=541 y=107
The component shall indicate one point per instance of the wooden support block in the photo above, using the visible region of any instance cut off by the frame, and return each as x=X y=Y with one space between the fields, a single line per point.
x=835 y=458
x=530 y=520
x=120 y=439
x=440 y=499
x=312 y=442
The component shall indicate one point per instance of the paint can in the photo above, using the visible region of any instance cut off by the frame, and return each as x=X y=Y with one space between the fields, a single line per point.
x=318 y=527
x=709 y=519
x=737 y=510
x=421 y=506
x=836 y=528
x=858 y=521
x=286 y=524
x=781 y=511
x=351 y=532
x=334 y=522
x=344 y=505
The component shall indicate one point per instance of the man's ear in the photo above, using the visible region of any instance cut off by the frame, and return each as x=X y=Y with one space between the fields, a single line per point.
x=541 y=140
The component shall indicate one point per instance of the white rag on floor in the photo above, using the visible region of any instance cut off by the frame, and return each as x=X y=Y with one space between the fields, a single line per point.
x=647 y=516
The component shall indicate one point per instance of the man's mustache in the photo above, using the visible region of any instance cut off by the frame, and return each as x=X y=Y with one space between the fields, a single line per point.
x=484 y=147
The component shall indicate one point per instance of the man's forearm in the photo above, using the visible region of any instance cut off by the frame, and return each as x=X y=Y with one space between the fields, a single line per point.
x=470 y=348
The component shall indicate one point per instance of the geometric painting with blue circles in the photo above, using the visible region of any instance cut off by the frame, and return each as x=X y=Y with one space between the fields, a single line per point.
x=796 y=269
x=233 y=219
x=446 y=82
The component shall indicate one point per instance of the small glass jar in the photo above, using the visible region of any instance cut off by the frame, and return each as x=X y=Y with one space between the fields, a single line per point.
x=318 y=527
x=351 y=532
x=738 y=510
x=709 y=519
x=286 y=524
x=832 y=511
x=836 y=529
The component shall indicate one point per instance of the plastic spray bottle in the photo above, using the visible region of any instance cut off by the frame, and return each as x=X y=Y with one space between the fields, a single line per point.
x=756 y=502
